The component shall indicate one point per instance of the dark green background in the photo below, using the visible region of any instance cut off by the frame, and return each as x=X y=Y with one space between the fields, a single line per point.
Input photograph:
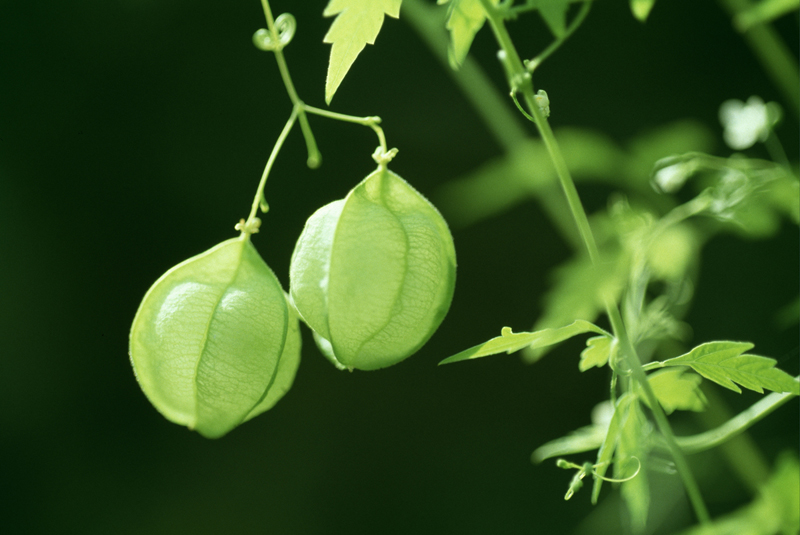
x=132 y=136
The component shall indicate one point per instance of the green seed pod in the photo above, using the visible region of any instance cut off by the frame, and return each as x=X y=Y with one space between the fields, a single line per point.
x=373 y=274
x=215 y=341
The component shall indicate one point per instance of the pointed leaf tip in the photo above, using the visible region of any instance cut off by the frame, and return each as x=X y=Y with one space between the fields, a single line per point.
x=357 y=24
x=509 y=342
x=641 y=8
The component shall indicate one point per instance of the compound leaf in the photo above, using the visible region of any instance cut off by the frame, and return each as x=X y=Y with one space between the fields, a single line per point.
x=725 y=364
x=676 y=389
x=508 y=341
x=357 y=24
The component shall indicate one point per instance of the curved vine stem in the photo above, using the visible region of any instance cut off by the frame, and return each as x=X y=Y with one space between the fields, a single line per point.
x=273 y=39
x=532 y=64
x=371 y=122
x=520 y=81
x=314 y=156
x=259 y=199
x=297 y=111
x=736 y=425
x=488 y=103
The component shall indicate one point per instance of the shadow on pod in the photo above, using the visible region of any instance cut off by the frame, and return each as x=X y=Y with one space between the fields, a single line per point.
x=215 y=341
x=373 y=274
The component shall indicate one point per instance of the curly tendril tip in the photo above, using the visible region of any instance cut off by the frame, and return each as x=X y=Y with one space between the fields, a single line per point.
x=285 y=25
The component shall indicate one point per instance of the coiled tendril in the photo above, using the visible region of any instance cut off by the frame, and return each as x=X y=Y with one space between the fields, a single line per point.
x=285 y=24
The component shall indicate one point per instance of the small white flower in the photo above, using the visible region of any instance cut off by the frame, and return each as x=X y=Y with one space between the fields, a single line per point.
x=745 y=123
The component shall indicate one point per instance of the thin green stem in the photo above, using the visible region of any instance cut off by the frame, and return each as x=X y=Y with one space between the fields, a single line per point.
x=689 y=482
x=519 y=80
x=650 y=366
x=736 y=425
x=555 y=45
x=776 y=58
x=776 y=152
x=259 y=199
x=488 y=103
x=744 y=457
x=371 y=122
x=314 y=156
x=682 y=212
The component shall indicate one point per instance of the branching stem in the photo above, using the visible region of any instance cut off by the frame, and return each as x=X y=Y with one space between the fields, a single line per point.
x=371 y=122
x=488 y=103
x=300 y=109
x=259 y=199
x=314 y=156
x=519 y=81
x=531 y=65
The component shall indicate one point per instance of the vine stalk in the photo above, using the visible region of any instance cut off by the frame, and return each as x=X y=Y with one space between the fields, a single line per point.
x=488 y=103
x=520 y=81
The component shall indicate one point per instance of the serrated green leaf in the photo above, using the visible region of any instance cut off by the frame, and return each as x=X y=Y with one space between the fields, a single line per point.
x=508 y=342
x=598 y=351
x=357 y=24
x=676 y=389
x=641 y=8
x=464 y=19
x=725 y=364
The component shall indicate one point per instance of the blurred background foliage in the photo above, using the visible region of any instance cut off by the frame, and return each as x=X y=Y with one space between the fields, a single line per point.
x=132 y=136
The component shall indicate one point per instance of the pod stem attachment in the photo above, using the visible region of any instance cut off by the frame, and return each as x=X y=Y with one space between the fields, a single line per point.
x=372 y=122
x=259 y=200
